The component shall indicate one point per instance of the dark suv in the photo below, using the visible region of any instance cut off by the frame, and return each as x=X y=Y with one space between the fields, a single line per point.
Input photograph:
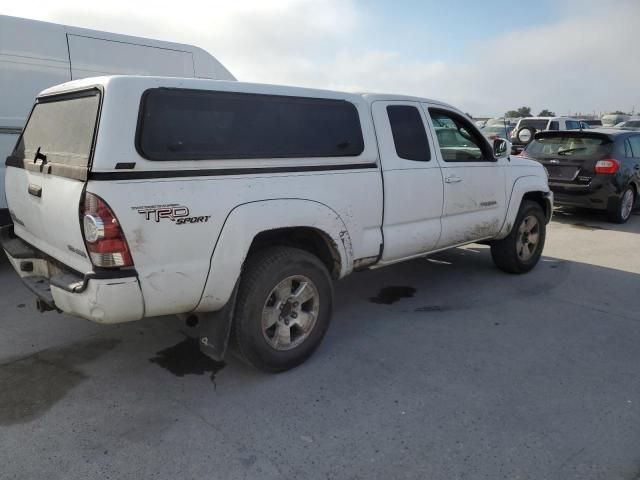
x=596 y=168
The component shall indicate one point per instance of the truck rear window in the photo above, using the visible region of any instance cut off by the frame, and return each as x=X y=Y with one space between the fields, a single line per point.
x=537 y=124
x=197 y=125
x=569 y=146
x=60 y=134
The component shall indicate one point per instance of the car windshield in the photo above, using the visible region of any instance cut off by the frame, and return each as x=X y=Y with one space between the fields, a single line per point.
x=537 y=124
x=569 y=145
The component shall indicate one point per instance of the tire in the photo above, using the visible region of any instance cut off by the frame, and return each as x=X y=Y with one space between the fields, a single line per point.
x=271 y=279
x=621 y=208
x=515 y=253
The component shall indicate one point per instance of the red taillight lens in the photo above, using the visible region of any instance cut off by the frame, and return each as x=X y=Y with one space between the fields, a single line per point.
x=103 y=236
x=607 y=166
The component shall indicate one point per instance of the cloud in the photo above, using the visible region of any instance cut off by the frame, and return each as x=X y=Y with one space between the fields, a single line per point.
x=582 y=61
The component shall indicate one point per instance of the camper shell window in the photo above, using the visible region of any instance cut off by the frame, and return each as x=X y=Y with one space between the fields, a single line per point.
x=179 y=124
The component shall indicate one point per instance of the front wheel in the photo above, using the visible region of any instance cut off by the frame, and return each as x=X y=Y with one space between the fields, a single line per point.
x=520 y=251
x=283 y=308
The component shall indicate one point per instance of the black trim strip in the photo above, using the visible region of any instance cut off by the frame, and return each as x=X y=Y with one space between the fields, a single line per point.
x=214 y=172
x=69 y=95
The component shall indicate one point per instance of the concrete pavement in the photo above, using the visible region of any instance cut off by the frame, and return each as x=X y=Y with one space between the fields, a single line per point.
x=469 y=373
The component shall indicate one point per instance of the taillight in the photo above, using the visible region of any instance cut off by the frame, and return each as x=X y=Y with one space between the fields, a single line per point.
x=607 y=166
x=103 y=235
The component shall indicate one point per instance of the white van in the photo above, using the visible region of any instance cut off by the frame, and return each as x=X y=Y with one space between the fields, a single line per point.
x=160 y=196
x=36 y=55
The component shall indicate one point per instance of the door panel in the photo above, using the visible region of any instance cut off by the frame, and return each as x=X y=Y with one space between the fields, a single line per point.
x=474 y=188
x=413 y=192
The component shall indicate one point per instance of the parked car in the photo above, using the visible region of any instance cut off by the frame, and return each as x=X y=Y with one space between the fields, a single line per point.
x=497 y=131
x=598 y=168
x=35 y=55
x=158 y=196
x=526 y=128
x=633 y=124
x=612 y=119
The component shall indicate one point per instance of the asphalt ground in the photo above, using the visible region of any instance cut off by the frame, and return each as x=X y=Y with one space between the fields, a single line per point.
x=439 y=368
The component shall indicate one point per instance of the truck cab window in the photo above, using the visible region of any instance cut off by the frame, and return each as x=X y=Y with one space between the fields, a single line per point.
x=458 y=141
x=409 y=134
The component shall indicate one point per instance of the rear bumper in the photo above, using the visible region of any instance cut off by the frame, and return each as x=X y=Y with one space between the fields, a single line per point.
x=597 y=195
x=103 y=297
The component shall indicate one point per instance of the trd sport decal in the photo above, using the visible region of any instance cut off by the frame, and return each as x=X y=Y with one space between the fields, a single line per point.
x=174 y=212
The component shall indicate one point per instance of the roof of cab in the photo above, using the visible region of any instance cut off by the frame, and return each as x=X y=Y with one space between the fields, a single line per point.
x=207 y=84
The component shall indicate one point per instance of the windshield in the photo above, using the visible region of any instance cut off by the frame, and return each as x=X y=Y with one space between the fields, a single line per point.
x=60 y=132
x=569 y=146
x=537 y=124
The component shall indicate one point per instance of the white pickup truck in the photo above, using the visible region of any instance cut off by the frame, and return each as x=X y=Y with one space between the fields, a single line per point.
x=240 y=204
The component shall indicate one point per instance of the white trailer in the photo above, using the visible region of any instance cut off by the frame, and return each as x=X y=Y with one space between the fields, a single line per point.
x=36 y=55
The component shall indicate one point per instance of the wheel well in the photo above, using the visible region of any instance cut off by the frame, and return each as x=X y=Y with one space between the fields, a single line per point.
x=309 y=239
x=538 y=197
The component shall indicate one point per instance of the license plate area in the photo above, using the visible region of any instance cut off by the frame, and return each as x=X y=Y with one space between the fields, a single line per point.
x=557 y=172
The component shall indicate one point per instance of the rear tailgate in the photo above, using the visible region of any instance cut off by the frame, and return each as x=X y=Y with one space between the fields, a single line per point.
x=47 y=172
x=569 y=156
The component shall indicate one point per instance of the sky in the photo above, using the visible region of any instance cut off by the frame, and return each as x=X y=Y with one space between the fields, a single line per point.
x=484 y=57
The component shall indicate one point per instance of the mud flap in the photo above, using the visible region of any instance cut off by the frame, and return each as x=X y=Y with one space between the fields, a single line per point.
x=215 y=328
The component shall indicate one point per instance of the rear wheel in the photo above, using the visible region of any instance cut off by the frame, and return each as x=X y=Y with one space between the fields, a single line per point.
x=520 y=251
x=620 y=210
x=283 y=309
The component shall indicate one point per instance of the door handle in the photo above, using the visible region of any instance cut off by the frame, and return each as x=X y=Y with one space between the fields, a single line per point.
x=35 y=190
x=452 y=179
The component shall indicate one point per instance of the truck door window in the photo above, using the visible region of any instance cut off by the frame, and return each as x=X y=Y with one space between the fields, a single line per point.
x=554 y=125
x=458 y=140
x=409 y=134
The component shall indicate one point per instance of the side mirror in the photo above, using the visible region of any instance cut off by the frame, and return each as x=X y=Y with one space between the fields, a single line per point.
x=500 y=148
